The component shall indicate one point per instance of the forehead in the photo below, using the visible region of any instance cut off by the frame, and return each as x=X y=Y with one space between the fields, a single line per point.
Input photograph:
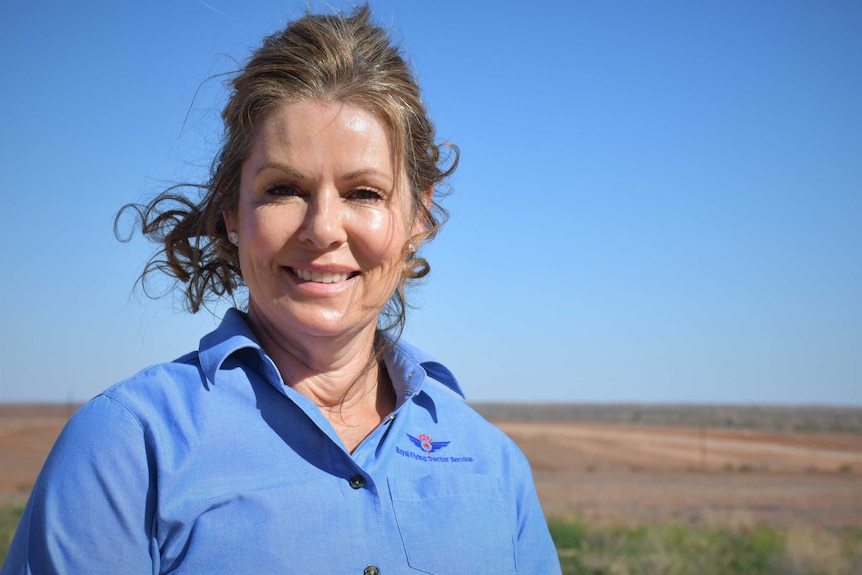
x=333 y=135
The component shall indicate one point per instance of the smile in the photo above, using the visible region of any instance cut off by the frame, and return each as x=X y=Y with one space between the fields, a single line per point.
x=322 y=277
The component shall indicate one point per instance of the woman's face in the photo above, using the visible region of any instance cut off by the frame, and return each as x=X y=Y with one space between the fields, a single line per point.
x=321 y=221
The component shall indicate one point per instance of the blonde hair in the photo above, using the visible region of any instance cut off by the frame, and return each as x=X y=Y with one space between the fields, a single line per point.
x=330 y=58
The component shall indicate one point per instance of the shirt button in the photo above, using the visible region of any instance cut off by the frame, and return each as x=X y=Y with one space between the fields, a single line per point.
x=358 y=482
x=371 y=570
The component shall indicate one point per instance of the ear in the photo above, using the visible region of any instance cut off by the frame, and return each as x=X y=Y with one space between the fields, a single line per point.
x=418 y=225
x=229 y=223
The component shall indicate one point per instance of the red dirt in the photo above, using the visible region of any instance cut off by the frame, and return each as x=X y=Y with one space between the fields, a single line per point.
x=607 y=473
x=630 y=474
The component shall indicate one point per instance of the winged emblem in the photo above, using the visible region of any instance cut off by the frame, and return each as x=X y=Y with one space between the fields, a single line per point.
x=424 y=443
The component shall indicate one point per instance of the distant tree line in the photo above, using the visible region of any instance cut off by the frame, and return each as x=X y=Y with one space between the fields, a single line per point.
x=758 y=417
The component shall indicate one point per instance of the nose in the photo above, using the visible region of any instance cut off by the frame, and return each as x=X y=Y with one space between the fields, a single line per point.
x=322 y=226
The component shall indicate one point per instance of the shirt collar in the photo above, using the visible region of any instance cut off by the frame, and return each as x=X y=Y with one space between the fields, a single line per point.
x=232 y=335
x=407 y=365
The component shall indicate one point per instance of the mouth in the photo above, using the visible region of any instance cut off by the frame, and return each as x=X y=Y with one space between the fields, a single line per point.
x=322 y=277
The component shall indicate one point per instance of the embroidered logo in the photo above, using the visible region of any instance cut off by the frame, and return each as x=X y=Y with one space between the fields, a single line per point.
x=424 y=443
x=429 y=447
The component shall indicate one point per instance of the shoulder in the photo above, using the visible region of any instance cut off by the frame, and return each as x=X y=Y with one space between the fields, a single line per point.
x=155 y=387
x=158 y=380
x=439 y=393
x=128 y=410
x=470 y=422
x=446 y=417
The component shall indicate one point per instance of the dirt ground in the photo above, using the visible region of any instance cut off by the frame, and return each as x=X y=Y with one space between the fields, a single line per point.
x=628 y=474
x=607 y=473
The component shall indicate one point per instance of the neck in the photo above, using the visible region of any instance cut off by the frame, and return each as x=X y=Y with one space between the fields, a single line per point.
x=341 y=375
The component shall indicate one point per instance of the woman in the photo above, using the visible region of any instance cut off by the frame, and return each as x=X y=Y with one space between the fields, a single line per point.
x=302 y=436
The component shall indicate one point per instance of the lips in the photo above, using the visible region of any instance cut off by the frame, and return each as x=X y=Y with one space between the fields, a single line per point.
x=322 y=277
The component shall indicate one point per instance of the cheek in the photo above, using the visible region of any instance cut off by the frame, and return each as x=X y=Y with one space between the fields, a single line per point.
x=377 y=222
x=380 y=237
x=269 y=228
x=262 y=237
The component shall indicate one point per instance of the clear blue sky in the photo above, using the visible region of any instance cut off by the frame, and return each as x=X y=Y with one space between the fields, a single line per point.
x=657 y=201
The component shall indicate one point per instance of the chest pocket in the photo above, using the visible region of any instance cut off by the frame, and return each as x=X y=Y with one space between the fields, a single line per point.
x=454 y=525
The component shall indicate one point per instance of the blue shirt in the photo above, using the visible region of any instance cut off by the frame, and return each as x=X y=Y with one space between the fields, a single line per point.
x=211 y=464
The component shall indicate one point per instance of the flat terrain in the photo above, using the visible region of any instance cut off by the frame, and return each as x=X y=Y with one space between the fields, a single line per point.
x=608 y=472
x=622 y=473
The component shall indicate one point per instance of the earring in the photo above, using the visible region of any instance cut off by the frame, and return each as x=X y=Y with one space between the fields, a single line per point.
x=411 y=248
x=233 y=237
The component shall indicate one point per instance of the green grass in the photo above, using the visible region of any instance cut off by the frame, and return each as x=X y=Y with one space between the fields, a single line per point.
x=671 y=549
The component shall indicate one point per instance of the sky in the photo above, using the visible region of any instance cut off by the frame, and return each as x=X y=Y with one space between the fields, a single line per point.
x=657 y=202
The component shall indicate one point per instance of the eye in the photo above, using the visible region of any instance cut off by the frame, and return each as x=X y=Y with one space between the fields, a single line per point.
x=365 y=195
x=283 y=190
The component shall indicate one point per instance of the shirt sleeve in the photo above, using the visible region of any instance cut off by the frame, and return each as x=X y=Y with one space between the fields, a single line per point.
x=91 y=509
x=535 y=550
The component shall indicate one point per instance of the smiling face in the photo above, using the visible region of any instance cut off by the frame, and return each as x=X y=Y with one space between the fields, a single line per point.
x=322 y=219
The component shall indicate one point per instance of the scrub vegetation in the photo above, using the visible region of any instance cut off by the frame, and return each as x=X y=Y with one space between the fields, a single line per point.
x=675 y=549
x=670 y=549
x=784 y=418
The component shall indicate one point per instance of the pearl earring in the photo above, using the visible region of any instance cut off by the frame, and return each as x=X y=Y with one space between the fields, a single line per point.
x=233 y=237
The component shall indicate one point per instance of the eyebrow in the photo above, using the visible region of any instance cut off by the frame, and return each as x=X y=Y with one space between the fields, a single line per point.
x=366 y=172
x=280 y=167
x=348 y=177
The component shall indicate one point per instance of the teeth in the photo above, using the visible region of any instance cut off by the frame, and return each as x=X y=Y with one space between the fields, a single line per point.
x=322 y=278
